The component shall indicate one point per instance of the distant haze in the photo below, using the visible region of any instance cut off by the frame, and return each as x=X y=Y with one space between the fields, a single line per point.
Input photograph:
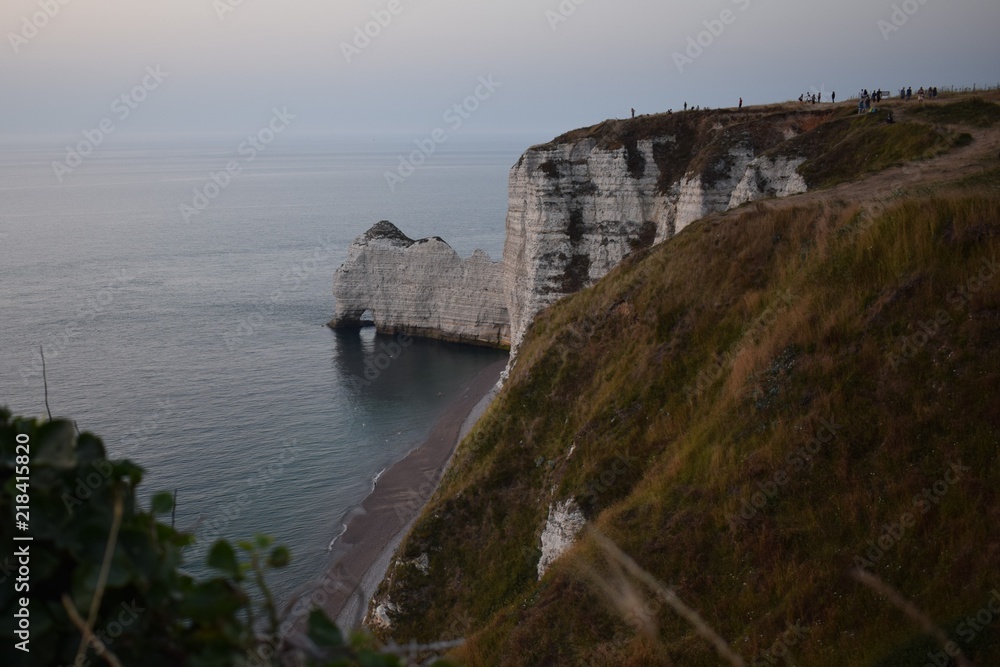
x=558 y=64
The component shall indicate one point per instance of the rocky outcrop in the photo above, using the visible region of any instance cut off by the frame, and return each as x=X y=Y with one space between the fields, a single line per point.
x=769 y=177
x=574 y=212
x=564 y=523
x=577 y=206
x=420 y=288
x=580 y=204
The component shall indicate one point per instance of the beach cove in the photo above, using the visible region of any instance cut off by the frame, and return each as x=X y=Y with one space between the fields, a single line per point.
x=362 y=553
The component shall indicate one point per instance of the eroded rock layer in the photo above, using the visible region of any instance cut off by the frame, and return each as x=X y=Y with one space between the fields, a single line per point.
x=420 y=288
x=581 y=203
x=578 y=205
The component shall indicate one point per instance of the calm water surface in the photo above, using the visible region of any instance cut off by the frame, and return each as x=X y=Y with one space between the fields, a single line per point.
x=199 y=349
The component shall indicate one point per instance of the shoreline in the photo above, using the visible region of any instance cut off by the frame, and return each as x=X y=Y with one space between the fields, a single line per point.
x=374 y=530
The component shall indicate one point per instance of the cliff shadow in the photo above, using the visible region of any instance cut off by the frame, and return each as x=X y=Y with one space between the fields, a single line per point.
x=382 y=367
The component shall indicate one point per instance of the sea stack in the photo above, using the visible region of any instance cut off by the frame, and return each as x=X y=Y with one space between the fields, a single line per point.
x=420 y=288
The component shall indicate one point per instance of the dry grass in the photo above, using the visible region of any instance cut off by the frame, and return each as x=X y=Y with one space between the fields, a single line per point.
x=911 y=611
x=605 y=372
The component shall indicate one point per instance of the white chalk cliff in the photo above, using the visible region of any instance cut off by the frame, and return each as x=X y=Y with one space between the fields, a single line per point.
x=577 y=206
x=581 y=203
x=420 y=288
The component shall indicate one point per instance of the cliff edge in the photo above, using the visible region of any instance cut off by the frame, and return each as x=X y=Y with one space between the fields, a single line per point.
x=584 y=201
x=581 y=203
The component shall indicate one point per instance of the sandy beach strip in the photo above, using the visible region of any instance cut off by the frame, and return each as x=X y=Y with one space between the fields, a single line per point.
x=362 y=554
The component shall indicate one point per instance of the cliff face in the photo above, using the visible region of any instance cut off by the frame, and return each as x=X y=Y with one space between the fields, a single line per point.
x=577 y=206
x=420 y=288
x=580 y=204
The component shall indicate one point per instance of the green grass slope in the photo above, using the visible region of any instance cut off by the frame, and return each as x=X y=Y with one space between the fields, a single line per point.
x=752 y=410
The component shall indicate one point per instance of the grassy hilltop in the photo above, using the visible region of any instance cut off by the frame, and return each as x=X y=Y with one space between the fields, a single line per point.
x=752 y=410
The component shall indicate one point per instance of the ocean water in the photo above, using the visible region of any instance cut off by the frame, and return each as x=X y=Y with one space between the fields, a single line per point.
x=198 y=348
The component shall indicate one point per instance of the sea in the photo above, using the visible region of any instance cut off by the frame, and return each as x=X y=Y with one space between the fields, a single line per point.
x=189 y=332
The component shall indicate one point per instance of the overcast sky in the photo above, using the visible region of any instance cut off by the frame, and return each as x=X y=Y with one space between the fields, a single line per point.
x=555 y=64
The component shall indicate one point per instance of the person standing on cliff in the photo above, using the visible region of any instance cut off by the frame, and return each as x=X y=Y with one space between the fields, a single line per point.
x=833 y=97
x=741 y=103
x=633 y=113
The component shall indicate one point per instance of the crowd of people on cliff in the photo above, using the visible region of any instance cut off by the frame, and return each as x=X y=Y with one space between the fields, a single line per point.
x=688 y=108
x=906 y=94
x=867 y=101
x=817 y=98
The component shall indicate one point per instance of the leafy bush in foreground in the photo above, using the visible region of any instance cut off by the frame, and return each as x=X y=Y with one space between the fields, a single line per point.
x=102 y=565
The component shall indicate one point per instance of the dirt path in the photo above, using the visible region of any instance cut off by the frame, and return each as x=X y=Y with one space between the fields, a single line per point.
x=873 y=191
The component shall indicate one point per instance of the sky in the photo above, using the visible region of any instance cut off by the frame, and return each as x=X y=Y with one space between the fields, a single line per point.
x=539 y=67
